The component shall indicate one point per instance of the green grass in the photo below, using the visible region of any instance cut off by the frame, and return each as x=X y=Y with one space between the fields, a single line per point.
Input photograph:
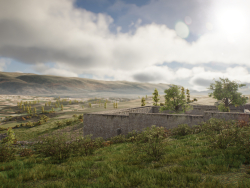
x=209 y=155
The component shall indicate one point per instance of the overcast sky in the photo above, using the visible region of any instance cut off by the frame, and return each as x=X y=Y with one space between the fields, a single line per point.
x=183 y=42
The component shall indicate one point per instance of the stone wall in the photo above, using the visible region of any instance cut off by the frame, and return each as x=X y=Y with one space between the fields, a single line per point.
x=116 y=122
x=139 y=121
x=105 y=125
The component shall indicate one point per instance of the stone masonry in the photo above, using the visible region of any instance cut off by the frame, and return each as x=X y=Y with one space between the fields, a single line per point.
x=115 y=122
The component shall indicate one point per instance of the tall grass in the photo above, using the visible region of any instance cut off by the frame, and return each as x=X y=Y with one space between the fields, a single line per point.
x=211 y=154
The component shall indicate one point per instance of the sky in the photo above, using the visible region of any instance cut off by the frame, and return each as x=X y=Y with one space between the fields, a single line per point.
x=184 y=42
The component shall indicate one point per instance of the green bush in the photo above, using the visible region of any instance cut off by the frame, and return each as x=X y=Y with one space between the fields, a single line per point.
x=68 y=122
x=151 y=142
x=223 y=108
x=7 y=153
x=181 y=130
x=118 y=139
x=59 y=123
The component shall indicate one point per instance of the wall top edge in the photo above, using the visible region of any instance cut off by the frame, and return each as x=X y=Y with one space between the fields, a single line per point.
x=107 y=114
x=216 y=112
x=163 y=114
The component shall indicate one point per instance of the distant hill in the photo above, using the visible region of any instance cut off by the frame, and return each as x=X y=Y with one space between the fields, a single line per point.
x=13 y=83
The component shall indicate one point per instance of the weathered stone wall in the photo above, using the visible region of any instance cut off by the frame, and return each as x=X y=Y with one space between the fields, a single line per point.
x=105 y=125
x=117 y=122
x=139 y=121
x=226 y=116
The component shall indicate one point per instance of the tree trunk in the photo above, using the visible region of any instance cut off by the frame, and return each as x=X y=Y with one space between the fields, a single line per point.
x=226 y=102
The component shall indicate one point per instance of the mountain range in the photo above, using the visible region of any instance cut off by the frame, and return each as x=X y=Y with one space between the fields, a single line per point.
x=15 y=83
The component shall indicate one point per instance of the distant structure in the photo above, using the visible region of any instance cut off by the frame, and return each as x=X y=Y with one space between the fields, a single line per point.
x=116 y=122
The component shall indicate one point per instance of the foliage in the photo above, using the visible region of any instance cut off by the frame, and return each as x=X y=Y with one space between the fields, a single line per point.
x=223 y=108
x=188 y=96
x=155 y=97
x=174 y=100
x=151 y=142
x=227 y=92
x=10 y=139
x=143 y=101
x=7 y=153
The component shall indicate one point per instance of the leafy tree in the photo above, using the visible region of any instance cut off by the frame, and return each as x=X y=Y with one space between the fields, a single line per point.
x=105 y=105
x=188 y=96
x=90 y=105
x=114 y=104
x=61 y=107
x=42 y=109
x=52 y=109
x=142 y=101
x=227 y=93
x=155 y=97
x=174 y=100
x=35 y=110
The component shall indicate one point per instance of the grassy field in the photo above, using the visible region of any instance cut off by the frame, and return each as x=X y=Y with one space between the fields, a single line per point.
x=212 y=154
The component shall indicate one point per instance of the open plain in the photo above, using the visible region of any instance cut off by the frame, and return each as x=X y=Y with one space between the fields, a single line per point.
x=187 y=162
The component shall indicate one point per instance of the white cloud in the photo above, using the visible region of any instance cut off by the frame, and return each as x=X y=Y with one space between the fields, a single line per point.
x=79 y=42
x=4 y=62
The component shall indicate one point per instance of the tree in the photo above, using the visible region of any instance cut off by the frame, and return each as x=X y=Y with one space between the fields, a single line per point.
x=227 y=93
x=35 y=110
x=42 y=109
x=105 y=105
x=188 y=96
x=61 y=107
x=116 y=105
x=174 y=100
x=89 y=104
x=155 y=97
x=142 y=101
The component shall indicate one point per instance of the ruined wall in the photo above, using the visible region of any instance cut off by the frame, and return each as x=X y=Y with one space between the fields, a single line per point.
x=226 y=116
x=117 y=122
x=139 y=121
x=105 y=125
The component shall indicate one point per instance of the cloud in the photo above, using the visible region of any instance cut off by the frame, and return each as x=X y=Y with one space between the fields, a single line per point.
x=4 y=62
x=78 y=42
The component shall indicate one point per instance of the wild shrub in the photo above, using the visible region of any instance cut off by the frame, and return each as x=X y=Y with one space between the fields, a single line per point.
x=227 y=137
x=7 y=153
x=29 y=124
x=74 y=116
x=118 y=139
x=151 y=142
x=85 y=145
x=57 y=148
x=59 y=123
x=181 y=130
x=80 y=116
x=10 y=139
x=25 y=152
x=68 y=122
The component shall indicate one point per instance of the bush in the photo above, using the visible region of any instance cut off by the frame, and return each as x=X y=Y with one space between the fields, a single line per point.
x=74 y=116
x=2 y=129
x=223 y=108
x=7 y=153
x=59 y=124
x=29 y=124
x=68 y=122
x=10 y=139
x=85 y=146
x=54 y=147
x=118 y=139
x=26 y=152
x=151 y=142
x=181 y=130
